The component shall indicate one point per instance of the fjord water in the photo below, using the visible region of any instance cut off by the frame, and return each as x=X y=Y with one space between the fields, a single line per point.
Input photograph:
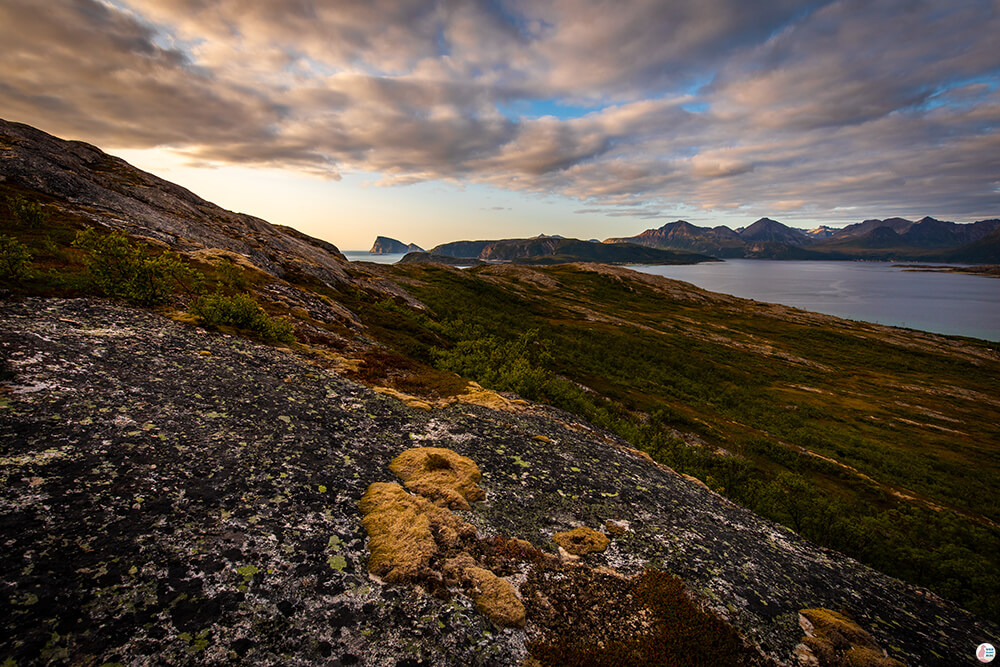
x=947 y=303
x=365 y=256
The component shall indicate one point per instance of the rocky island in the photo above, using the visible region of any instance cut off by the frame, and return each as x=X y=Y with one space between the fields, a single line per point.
x=385 y=246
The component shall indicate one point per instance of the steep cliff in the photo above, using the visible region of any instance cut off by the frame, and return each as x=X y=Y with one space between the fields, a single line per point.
x=384 y=245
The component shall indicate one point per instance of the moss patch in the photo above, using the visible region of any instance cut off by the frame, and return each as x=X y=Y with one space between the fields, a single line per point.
x=407 y=531
x=404 y=531
x=494 y=596
x=440 y=474
x=582 y=541
x=837 y=641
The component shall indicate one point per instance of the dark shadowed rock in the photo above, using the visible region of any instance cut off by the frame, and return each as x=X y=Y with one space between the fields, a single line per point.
x=768 y=230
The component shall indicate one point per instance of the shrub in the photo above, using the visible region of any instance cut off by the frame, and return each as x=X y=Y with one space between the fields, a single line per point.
x=14 y=259
x=26 y=213
x=231 y=275
x=516 y=365
x=127 y=270
x=242 y=312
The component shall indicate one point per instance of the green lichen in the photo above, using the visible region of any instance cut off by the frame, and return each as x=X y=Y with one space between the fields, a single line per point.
x=24 y=599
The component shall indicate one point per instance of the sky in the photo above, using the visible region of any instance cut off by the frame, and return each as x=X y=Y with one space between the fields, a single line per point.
x=432 y=121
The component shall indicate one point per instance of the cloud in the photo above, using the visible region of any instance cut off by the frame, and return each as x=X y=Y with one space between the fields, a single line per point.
x=714 y=164
x=805 y=108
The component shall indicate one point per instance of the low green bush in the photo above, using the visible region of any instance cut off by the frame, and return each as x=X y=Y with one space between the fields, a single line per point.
x=241 y=311
x=24 y=213
x=232 y=276
x=123 y=269
x=14 y=259
x=516 y=365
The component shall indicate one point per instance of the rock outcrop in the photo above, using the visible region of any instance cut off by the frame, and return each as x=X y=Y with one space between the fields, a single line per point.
x=386 y=246
x=176 y=496
x=84 y=180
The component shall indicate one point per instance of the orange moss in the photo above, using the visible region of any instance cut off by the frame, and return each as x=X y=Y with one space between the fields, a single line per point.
x=837 y=641
x=494 y=596
x=404 y=531
x=581 y=541
x=447 y=478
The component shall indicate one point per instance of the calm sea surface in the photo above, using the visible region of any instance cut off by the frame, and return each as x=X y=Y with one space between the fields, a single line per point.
x=948 y=303
x=365 y=256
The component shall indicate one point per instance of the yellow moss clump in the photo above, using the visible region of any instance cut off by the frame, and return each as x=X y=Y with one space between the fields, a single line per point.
x=494 y=596
x=837 y=641
x=582 y=541
x=836 y=628
x=404 y=531
x=476 y=395
x=615 y=528
x=407 y=399
x=445 y=477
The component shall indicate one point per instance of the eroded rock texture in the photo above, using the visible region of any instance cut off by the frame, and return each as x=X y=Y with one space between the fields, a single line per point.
x=175 y=496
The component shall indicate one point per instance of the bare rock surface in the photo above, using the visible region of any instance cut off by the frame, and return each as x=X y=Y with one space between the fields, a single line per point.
x=175 y=496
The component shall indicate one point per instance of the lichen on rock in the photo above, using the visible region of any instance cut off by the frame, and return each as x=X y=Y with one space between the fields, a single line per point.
x=582 y=541
x=139 y=477
x=445 y=477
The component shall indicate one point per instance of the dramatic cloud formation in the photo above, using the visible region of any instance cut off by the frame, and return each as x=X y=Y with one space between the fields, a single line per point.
x=823 y=110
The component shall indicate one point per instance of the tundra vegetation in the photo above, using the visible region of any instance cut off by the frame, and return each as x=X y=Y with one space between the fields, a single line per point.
x=869 y=440
x=62 y=255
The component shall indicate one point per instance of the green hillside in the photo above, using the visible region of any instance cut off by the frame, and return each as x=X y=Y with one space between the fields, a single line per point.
x=876 y=441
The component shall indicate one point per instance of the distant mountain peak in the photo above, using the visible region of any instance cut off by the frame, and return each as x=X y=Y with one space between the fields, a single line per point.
x=821 y=232
x=768 y=230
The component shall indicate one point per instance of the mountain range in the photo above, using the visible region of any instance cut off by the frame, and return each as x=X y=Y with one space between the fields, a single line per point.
x=558 y=250
x=926 y=239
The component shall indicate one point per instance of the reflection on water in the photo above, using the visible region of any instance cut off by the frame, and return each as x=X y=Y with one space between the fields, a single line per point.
x=365 y=256
x=949 y=303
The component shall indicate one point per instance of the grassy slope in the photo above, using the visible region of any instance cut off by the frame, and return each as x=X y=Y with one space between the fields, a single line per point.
x=875 y=441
